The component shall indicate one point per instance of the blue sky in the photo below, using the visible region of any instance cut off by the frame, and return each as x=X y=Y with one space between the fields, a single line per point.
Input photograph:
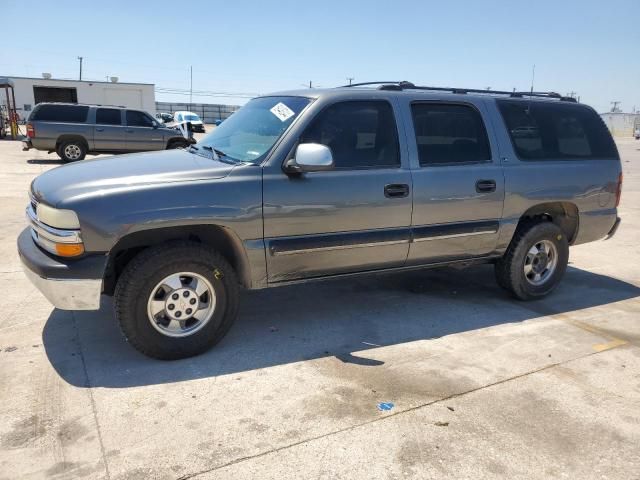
x=248 y=47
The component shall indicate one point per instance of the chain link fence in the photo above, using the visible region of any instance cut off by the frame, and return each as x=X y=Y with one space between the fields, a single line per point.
x=208 y=112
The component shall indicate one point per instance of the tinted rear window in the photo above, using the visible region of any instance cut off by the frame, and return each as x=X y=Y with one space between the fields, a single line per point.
x=449 y=134
x=108 y=116
x=61 y=113
x=556 y=131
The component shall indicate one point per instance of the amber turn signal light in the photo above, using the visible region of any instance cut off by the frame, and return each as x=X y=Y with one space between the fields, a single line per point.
x=69 y=249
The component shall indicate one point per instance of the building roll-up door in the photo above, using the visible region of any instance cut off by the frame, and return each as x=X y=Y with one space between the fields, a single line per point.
x=55 y=94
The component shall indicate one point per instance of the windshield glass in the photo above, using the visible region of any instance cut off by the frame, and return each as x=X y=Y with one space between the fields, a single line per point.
x=192 y=118
x=249 y=133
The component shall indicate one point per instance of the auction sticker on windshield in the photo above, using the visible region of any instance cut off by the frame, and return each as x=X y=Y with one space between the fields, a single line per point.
x=283 y=112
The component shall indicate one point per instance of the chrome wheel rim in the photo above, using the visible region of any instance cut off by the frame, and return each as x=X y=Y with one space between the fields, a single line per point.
x=181 y=304
x=541 y=262
x=72 y=152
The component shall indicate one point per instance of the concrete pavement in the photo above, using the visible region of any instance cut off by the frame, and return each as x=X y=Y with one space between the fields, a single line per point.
x=482 y=386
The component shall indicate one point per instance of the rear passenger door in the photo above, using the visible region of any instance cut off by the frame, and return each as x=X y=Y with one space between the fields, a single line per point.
x=140 y=132
x=108 y=133
x=458 y=181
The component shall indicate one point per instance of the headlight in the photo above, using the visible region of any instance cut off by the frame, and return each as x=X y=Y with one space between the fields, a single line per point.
x=56 y=231
x=57 y=218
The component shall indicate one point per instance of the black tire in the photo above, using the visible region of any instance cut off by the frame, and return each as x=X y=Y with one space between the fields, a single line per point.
x=73 y=145
x=150 y=267
x=509 y=270
x=177 y=144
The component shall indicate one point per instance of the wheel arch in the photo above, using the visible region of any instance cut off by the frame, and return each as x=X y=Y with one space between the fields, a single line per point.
x=71 y=137
x=219 y=238
x=173 y=140
x=564 y=214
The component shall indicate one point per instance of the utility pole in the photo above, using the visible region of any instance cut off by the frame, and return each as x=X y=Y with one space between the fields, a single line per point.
x=615 y=106
x=351 y=79
x=533 y=76
x=571 y=94
x=191 y=86
x=310 y=84
x=80 y=58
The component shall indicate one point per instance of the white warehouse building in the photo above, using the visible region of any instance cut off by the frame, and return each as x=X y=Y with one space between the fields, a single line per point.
x=31 y=91
x=621 y=124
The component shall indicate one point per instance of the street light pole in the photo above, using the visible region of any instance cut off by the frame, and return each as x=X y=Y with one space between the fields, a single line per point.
x=80 y=58
x=191 y=87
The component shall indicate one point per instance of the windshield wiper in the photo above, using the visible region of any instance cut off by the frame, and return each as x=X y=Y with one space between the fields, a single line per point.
x=219 y=155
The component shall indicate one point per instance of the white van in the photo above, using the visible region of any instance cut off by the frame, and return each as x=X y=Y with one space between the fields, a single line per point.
x=197 y=125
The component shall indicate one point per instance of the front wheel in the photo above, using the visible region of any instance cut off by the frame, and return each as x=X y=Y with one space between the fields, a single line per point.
x=177 y=144
x=176 y=300
x=535 y=261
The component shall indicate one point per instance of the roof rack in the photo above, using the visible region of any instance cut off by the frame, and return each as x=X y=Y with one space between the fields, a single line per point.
x=404 y=85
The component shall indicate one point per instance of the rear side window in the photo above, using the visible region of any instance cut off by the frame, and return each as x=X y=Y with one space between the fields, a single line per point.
x=556 y=131
x=61 y=113
x=449 y=134
x=138 y=119
x=108 y=116
x=360 y=134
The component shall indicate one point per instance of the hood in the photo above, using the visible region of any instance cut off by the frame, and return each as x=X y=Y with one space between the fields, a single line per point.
x=107 y=174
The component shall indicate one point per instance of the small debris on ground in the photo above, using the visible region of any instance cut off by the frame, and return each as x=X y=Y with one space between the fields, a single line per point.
x=441 y=424
x=451 y=408
x=385 y=406
x=10 y=349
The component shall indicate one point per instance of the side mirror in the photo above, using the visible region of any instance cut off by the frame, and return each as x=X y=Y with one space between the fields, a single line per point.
x=310 y=157
x=155 y=124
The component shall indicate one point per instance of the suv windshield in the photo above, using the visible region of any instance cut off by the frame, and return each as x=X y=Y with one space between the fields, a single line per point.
x=190 y=118
x=249 y=133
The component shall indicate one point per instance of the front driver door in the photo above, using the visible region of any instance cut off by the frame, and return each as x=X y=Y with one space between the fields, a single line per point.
x=355 y=217
x=141 y=133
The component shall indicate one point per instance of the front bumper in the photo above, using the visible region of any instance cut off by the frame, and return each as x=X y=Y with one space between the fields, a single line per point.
x=614 y=229
x=73 y=285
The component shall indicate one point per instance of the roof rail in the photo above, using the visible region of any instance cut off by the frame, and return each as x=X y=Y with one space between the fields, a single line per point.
x=404 y=85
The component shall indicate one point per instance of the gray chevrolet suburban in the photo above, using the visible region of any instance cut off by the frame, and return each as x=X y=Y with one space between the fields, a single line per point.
x=73 y=130
x=316 y=184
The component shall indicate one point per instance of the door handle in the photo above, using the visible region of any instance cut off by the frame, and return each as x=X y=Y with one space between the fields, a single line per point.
x=396 y=190
x=99 y=129
x=485 y=186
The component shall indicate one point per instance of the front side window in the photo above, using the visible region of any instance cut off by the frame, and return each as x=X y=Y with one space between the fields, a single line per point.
x=108 y=116
x=138 y=119
x=360 y=134
x=556 y=131
x=449 y=134
x=249 y=134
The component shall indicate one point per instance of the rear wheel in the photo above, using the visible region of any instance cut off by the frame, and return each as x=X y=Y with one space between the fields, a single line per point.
x=72 y=150
x=176 y=300
x=535 y=261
